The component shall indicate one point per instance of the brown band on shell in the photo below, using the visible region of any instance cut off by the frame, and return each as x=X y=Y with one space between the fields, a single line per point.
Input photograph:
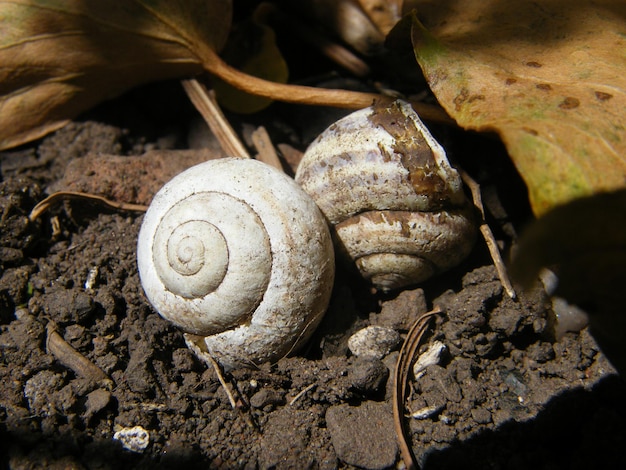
x=415 y=153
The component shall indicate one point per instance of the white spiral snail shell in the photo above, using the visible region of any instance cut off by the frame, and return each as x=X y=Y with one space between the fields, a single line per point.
x=397 y=206
x=235 y=254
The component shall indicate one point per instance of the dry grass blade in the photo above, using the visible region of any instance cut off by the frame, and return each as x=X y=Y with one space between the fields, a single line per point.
x=229 y=393
x=222 y=381
x=401 y=375
x=61 y=196
x=267 y=152
x=208 y=108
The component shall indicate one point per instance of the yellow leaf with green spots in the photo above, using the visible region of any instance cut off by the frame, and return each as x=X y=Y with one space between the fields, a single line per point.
x=548 y=77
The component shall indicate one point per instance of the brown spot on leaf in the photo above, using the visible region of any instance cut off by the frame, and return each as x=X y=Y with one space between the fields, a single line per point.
x=543 y=86
x=602 y=96
x=510 y=81
x=461 y=98
x=476 y=98
x=533 y=64
x=569 y=103
x=530 y=131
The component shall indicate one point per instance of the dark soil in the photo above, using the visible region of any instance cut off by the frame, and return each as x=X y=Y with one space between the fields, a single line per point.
x=505 y=394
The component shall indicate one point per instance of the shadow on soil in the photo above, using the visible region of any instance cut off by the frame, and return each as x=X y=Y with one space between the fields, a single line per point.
x=577 y=429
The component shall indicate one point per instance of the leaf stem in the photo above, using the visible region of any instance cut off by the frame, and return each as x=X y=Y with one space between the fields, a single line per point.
x=307 y=95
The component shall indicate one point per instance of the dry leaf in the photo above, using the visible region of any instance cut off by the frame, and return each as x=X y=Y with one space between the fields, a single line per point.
x=61 y=57
x=548 y=77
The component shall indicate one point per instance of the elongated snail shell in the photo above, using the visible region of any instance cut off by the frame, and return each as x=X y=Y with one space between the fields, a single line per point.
x=397 y=206
x=235 y=254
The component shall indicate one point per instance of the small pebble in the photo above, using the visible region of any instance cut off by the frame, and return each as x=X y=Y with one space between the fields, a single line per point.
x=134 y=439
x=267 y=396
x=481 y=415
x=97 y=401
x=10 y=256
x=400 y=313
x=373 y=341
x=368 y=376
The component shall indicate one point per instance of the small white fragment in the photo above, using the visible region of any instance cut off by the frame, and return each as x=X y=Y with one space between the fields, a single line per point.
x=21 y=313
x=426 y=412
x=92 y=277
x=373 y=341
x=428 y=358
x=135 y=439
x=568 y=317
x=549 y=280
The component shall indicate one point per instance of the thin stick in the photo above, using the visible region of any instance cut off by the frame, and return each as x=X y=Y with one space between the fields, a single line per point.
x=243 y=410
x=487 y=234
x=301 y=393
x=208 y=108
x=263 y=144
x=401 y=375
x=74 y=360
x=304 y=94
x=60 y=196
x=220 y=377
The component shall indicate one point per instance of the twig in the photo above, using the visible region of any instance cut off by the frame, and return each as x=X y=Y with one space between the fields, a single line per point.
x=301 y=393
x=263 y=144
x=206 y=105
x=220 y=377
x=72 y=359
x=59 y=196
x=231 y=396
x=401 y=375
x=487 y=234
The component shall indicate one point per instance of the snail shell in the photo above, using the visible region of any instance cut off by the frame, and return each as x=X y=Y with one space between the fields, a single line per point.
x=235 y=254
x=397 y=205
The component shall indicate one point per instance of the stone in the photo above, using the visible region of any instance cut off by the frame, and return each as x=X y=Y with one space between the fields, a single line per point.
x=373 y=341
x=363 y=435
